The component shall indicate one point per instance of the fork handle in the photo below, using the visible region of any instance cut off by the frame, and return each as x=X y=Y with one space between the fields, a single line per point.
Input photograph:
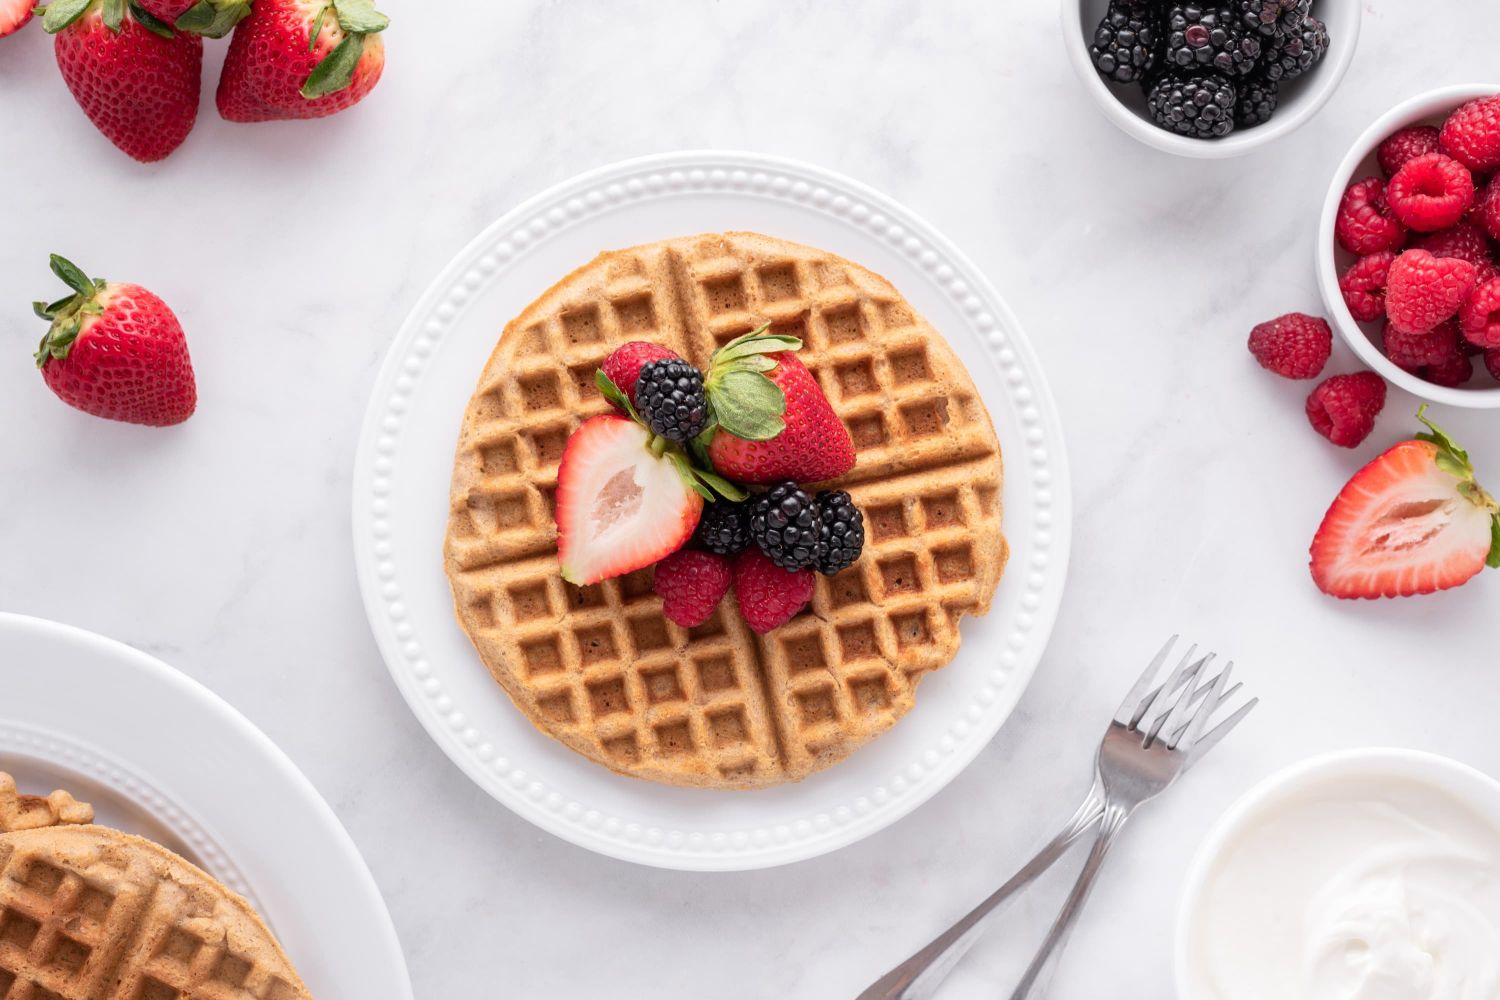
x=918 y=977
x=1113 y=821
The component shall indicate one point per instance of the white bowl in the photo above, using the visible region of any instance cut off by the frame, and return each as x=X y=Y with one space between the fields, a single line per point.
x=1125 y=104
x=1474 y=788
x=1424 y=109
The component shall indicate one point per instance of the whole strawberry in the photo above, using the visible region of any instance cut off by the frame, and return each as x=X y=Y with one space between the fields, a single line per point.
x=773 y=421
x=136 y=79
x=300 y=59
x=14 y=14
x=116 y=351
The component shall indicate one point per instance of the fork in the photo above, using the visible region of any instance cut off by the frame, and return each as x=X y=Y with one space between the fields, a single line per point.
x=1157 y=734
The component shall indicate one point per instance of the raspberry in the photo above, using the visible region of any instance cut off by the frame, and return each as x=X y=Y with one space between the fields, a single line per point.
x=1363 y=286
x=768 y=595
x=1492 y=362
x=624 y=364
x=1407 y=144
x=1343 y=409
x=1486 y=212
x=691 y=584
x=1480 y=316
x=1471 y=135
x=1452 y=372
x=1293 y=346
x=1423 y=290
x=1414 y=351
x=1464 y=241
x=1365 y=222
x=1431 y=192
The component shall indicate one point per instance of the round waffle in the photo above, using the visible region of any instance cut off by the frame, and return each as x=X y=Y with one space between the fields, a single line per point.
x=598 y=668
x=88 y=913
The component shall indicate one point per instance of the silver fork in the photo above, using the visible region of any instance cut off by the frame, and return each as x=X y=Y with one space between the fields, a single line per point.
x=1158 y=733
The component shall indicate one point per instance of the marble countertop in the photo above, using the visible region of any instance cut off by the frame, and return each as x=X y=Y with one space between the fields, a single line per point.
x=292 y=251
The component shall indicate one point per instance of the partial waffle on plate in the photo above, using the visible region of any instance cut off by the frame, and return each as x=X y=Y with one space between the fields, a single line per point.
x=599 y=668
x=88 y=913
x=34 y=812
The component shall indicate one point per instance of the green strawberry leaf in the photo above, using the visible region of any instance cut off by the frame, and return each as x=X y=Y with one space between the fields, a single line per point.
x=689 y=474
x=699 y=444
x=1494 y=560
x=72 y=275
x=150 y=21
x=42 y=310
x=360 y=16
x=62 y=13
x=317 y=28
x=213 y=18
x=114 y=15
x=748 y=405
x=1440 y=437
x=750 y=363
x=758 y=331
x=724 y=487
x=615 y=394
x=336 y=71
x=758 y=345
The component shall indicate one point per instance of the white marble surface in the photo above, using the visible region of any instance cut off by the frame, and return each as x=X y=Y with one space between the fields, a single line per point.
x=292 y=251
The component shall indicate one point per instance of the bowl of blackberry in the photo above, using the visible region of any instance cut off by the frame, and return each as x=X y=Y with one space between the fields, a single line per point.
x=1211 y=80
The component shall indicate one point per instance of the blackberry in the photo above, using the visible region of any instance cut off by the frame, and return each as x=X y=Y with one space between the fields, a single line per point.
x=1272 y=17
x=1200 y=36
x=1127 y=43
x=1258 y=99
x=784 y=523
x=669 y=397
x=1294 y=53
x=723 y=528
x=1200 y=105
x=841 y=534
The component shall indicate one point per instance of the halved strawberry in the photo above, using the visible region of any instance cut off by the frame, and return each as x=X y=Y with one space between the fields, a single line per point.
x=1413 y=521
x=14 y=14
x=621 y=505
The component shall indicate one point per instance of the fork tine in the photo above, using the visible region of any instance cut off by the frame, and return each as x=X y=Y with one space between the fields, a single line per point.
x=1211 y=739
x=1224 y=699
x=1205 y=711
x=1172 y=718
x=1165 y=690
x=1144 y=684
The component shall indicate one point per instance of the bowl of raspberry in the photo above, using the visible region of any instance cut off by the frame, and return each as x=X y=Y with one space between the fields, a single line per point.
x=1215 y=79
x=1409 y=246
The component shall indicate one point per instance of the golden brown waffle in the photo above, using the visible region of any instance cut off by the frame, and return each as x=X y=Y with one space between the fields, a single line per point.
x=598 y=667
x=32 y=812
x=88 y=913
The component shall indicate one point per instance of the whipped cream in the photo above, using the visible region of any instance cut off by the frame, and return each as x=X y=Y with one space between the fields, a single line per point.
x=1352 y=888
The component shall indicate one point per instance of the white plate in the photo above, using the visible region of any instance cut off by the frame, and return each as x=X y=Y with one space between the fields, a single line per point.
x=161 y=756
x=401 y=505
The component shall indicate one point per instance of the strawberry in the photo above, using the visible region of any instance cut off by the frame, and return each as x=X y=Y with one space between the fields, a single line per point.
x=14 y=14
x=1413 y=521
x=116 y=351
x=768 y=595
x=624 y=364
x=209 y=18
x=135 y=78
x=621 y=505
x=302 y=59
x=773 y=421
x=691 y=583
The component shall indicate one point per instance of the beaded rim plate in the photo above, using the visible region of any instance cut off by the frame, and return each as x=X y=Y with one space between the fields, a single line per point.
x=90 y=715
x=404 y=463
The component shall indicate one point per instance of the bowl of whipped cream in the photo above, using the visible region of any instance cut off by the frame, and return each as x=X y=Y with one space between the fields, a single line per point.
x=1361 y=875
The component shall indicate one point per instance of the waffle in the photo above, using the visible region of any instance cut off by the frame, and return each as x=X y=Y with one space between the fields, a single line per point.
x=32 y=812
x=599 y=668
x=88 y=913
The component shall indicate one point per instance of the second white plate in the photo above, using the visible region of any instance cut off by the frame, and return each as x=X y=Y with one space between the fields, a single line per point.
x=404 y=464
x=160 y=756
